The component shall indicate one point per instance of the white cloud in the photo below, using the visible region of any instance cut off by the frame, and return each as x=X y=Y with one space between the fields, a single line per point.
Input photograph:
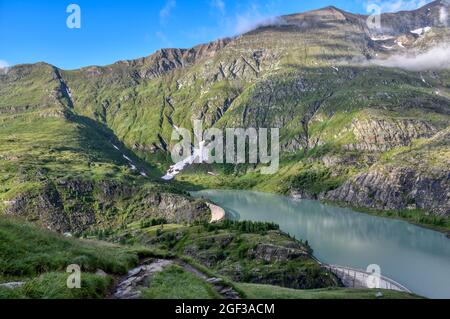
x=434 y=59
x=219 y=5
x=443 y=16
x=246 y=23
x=167 y=10
x=3 y=64
x=252 y=19
x=398 y=5
x=4 y=67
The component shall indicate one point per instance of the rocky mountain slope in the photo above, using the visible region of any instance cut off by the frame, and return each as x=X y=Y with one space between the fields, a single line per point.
x=68 y=172
x=352 y=131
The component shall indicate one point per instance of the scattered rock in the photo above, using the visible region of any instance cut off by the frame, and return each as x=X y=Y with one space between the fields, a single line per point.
x=214 y=280
x=101 y=273
x=12 y=285
x=271 y=253
x=138 y=278
x=302 y=194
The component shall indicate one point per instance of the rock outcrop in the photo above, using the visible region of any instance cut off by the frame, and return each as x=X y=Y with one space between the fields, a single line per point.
x=166 y=60
x=141 y=277
x=381 y=135
x=137 y=279
x=174 y=208
x=273 y=253
x=12 y=285
x=397 y=188
x=75 y=205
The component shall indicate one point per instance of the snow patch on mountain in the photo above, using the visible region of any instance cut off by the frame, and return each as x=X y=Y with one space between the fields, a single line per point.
x=382 y=38
x=421 y=31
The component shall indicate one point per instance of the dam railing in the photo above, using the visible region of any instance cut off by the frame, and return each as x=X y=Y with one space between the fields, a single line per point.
x=357 y=278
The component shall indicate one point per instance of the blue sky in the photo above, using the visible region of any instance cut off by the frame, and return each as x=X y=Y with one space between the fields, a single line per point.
x=112 y=30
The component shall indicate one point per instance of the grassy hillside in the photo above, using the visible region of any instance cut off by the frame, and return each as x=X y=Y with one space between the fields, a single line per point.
x=40 y=258
x=176 y=283
x=241 y=251
x=271 y=292
x=28 y=251
x=83 y=151
x=339 y=116
x=357 y=115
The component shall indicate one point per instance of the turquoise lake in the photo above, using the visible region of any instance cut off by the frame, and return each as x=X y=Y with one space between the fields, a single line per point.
x=416 y=257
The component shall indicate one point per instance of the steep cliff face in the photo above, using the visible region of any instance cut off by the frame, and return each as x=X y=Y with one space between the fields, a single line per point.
x=166 y=60
x=397 y=188
x=381 y=135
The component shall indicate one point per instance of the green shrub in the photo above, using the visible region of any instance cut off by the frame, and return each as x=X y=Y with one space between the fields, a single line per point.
x=153 y=222
x=242 y=226
x=315 y=181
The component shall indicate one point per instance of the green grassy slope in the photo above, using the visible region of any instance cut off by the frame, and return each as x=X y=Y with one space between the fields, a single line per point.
x=247 y=252
x=176 y=283
x=27 y=251
x=67 y=139
x=253 y=291
x=40 y=258
x=65 y=170
x=270 y=77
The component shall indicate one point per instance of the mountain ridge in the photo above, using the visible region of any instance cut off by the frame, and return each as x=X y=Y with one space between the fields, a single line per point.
x=83 y=153
x=222 y=42
x=359 y=119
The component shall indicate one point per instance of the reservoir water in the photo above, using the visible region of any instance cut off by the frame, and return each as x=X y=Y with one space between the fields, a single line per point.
x=416 y=257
